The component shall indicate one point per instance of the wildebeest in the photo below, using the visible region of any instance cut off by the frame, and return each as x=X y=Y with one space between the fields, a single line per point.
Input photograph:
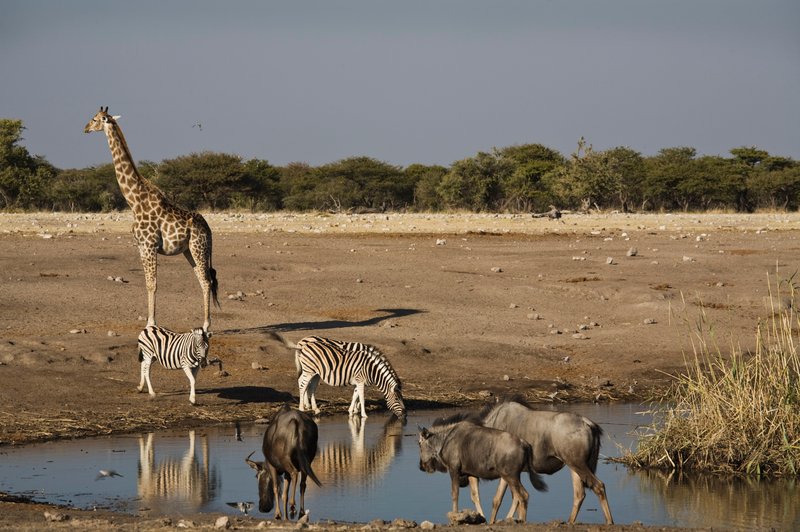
x=557 y=438
x=469 y=451
x=290 y=445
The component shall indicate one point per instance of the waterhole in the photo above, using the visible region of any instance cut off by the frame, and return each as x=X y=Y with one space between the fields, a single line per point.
x=369 y=470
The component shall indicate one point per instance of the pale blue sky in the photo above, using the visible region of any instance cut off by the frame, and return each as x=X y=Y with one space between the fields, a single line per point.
x=406 y=81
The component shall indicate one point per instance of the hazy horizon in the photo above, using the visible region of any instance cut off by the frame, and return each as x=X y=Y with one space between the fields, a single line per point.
x=427 y=82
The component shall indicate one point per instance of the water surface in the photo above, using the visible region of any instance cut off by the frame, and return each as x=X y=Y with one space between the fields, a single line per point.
x=369 y=470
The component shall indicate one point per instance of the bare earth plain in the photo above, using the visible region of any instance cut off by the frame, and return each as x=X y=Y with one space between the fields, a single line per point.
x=467 y=307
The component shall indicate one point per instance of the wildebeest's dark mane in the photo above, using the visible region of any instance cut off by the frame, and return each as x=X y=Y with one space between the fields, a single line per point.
x=516 y=398
x=470 y=417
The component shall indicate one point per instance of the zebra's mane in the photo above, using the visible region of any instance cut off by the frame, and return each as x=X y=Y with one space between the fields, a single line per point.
x=379 y=359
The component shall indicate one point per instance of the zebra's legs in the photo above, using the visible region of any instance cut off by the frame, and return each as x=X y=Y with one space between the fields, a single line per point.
x=307 y=386
x=353 y=403
x=190 y=373
x=311 y=392
x=145 y=376
x=360 y=394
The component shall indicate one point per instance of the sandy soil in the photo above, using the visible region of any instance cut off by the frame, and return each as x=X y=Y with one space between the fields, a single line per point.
x=466 y=307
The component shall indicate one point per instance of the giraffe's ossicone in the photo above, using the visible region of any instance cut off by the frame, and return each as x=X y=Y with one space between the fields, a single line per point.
x=159 y=226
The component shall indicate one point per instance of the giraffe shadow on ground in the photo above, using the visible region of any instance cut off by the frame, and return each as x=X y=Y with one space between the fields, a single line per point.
x=251 y=394
x=387 y=314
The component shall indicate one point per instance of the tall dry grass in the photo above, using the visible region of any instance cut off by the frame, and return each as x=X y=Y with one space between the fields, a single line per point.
x=736 y=414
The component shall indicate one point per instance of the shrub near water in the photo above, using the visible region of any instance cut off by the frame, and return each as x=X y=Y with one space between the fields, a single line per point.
x=735 y=415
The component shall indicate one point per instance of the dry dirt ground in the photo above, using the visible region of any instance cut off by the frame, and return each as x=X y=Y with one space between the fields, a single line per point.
x=466 y=307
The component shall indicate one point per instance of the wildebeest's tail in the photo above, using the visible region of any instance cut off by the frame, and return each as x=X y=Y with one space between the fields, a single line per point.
x=594 y=452
x=536 y=479
x=303 y=460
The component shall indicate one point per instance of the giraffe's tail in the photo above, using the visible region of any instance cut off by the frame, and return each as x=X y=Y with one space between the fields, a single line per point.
x=212 y=273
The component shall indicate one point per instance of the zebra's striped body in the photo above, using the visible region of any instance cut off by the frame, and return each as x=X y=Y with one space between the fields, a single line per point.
x=341 y=363
x=186 y=351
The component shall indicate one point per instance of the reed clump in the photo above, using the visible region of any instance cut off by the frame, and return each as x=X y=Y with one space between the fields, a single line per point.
x=737 y=414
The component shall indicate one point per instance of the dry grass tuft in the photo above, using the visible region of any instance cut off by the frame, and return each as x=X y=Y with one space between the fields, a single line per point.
x=738 y=414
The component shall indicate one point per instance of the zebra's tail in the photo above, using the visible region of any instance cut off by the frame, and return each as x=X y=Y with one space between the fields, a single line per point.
x=303 y=462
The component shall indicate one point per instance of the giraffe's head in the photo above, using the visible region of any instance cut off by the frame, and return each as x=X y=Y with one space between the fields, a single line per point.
x=99 y=120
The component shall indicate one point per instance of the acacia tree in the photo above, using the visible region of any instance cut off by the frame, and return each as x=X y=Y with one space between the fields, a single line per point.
x=475 y=183
x=526 y=187
x=24 y=178
x=663 y=175
x=625 y=169
x=206 y=178
x=426 y=180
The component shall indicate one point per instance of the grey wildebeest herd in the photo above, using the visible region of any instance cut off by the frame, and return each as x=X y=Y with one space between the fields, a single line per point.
x=501 y=442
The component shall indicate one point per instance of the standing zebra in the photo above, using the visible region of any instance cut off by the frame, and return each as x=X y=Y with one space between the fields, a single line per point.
x=339 y=363
x=187 y=351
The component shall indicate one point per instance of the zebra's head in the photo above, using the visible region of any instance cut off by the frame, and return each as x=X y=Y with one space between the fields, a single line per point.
x=200 y=345
x=394 y=400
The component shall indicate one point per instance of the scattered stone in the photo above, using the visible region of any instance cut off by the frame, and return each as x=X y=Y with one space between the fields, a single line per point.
x=223 y=522
x=465 y=517
x=610 y=260
x=513 y=305
x=687 y=259
x=257 y=366
x=632 y=252
x=377 y=523
x=580 y=336
x=427 y=525
x=650 y=321
x=497 y=269
x=506 y=378
x=77 y=331
x=565 y=360
x=55 y=517
x=555 y=331
x=583 y=327
x=186 y=523
x=534 y=316
x=404 y=523
x=578 y=258
x=441 y=242
x=111 y=333
x=485 y=394
x=594 y=324
x=359 y=281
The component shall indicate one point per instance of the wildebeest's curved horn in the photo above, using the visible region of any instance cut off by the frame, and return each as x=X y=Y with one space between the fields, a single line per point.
x=251 y=463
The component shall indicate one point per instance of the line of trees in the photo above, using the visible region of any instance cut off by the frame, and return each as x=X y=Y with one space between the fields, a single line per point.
x=521 y=178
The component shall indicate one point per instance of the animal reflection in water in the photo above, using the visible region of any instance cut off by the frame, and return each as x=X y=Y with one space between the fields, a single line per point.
x=169 y=483
x=351 y=461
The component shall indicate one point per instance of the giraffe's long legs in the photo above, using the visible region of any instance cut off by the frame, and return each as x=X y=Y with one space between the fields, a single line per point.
x=199 y=257
x=150 y=266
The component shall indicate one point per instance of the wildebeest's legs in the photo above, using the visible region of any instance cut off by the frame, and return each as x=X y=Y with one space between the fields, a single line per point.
x=582 y=476
x=520 y=495
x=293 y=489
x=303 y=477
x=287 y=485
x=475 y=494
x=498 y=499
x=454 y=488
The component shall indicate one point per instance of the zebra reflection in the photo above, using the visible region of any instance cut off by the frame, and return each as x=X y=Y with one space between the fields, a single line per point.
x=171 y=483
x=351 y=461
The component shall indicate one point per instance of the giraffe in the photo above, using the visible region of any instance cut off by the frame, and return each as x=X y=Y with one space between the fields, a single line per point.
x=159 y=226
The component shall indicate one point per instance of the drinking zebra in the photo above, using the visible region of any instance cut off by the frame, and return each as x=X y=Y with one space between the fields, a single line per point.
x=187 y=351
x=339 y=363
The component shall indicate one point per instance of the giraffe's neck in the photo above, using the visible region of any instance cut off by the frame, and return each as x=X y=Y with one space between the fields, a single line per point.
x=135 y=188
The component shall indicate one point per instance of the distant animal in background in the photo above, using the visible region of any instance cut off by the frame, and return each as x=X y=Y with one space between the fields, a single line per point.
x=557 y=439
x=187 y=351
x=289 y=447
x=469 y=451
x=339 y=363
x=159 y=226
